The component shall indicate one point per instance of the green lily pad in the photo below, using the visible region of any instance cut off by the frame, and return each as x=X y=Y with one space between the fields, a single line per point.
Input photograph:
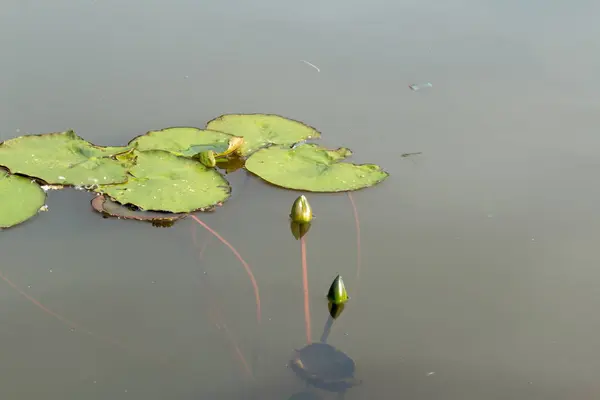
x=162 y=181
x=313 y=168
x=260 y=130
x=64 y=158
x=20 y=199
x=183 y=141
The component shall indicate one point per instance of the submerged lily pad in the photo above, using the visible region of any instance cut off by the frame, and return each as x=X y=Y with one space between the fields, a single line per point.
x=64 y=158
x=109 y=208
x=162 y=181
x=313 y=168
x=260 y=130
x=20 y=199
x=183 y=141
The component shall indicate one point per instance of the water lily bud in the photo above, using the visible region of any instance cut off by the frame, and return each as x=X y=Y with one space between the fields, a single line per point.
x=301 y=211
x=299 y=230
x=337 y=292
x=207 y=158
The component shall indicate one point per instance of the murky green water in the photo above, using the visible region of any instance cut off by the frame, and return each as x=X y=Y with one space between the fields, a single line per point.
x=479 y=258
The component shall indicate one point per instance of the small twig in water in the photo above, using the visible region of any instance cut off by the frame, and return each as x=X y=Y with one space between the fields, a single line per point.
x=418 y=86
x=312 y=65
x=410 y=154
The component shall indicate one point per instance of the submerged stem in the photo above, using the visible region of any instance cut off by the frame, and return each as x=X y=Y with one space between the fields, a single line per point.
x=244 y=264
x=216 y=316
x=358 y=252
x=72 y=325
x=305 y=288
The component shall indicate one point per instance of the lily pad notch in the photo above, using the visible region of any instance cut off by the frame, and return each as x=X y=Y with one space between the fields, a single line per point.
x=312 y=168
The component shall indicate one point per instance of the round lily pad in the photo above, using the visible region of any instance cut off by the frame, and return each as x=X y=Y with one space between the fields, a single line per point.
x=313 y=168
x=183 y=141
x=162 y=181
x=64 y=158
x=260 y=130
x=20 y=199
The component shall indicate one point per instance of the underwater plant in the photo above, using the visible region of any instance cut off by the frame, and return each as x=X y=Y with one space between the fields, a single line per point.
x=166 y=175
x=320 y=364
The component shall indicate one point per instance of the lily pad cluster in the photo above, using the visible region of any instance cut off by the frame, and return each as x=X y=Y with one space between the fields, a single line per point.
x=173 y=171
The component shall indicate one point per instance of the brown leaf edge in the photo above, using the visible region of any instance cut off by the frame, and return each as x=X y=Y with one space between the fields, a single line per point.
x=112 y=209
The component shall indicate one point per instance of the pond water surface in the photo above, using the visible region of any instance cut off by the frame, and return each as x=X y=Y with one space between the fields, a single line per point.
x=479 y=258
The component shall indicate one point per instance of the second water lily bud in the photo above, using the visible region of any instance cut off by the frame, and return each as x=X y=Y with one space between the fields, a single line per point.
x=301 y=211
x=337 y=292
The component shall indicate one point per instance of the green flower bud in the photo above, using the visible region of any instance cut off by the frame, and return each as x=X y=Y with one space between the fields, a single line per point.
x=301 y=211
x=337 y=292
x=207 y=158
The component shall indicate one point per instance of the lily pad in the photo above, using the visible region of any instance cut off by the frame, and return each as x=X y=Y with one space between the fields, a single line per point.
x=162 y=181
x=109 y=208
x=183 y=141
x=63 y=158
x=260 y=130
x=313 y=168
x=20 y=199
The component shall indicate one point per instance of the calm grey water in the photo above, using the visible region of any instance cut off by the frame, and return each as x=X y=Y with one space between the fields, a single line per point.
x=480 y=261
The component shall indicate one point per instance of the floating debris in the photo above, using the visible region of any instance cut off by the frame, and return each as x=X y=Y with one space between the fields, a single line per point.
x=300 y=143
x=410 y=154
x=312 y=65
x=45 y=188
x=418 y=86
